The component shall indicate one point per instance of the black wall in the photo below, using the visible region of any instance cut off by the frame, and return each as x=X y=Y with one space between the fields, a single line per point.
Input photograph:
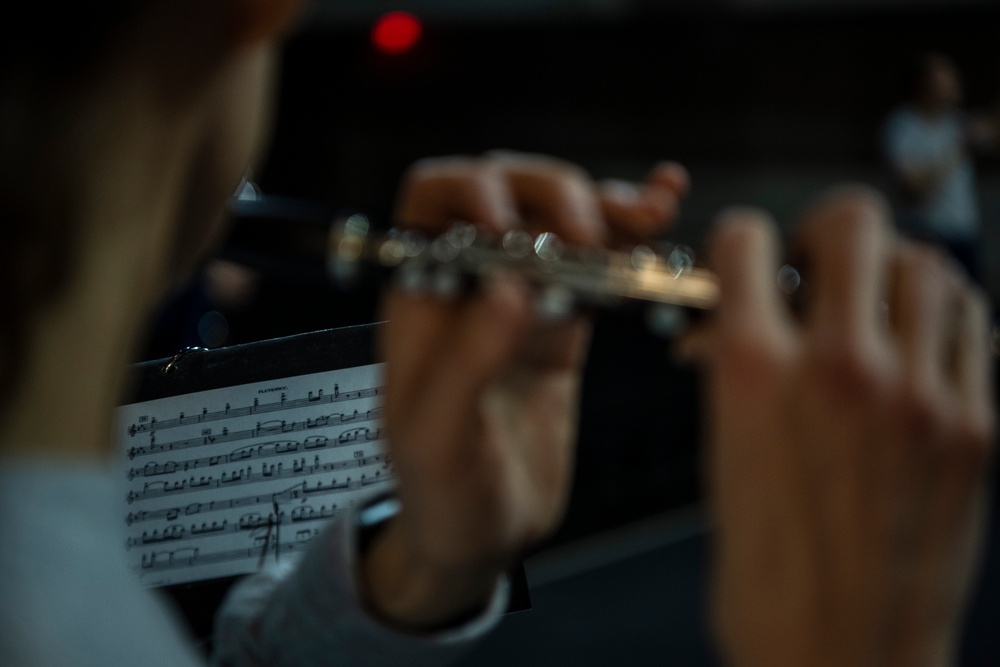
x=721 y=90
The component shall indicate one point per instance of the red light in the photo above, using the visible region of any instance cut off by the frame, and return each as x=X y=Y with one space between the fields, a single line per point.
x=396 y=32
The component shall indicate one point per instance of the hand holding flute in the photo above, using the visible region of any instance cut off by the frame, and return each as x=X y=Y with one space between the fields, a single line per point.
x=848 y=438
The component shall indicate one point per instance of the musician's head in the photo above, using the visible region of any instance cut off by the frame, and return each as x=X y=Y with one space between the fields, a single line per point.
x=935 y=82
x=124 y=127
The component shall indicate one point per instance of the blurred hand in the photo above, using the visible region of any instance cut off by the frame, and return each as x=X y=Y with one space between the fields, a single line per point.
x=848 y=448
x=482 y=394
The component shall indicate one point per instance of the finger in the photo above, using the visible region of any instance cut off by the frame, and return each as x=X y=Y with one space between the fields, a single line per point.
x=637 y=211
x=672 y=176
x=464 y=344
x=553 y=195
x=419 y=324
x=438 y=191
x=751 y=316
x=974 y=363
x=919 y=311
x=641 y=210
x=844 y=245
x=744 y=251
x=482 y=342
x=556 y=346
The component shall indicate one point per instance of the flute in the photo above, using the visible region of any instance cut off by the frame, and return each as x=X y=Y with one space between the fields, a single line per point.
x=666 y=280
x=277 y=235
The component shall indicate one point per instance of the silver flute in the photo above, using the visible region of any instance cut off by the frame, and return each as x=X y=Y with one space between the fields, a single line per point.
x=566 y=277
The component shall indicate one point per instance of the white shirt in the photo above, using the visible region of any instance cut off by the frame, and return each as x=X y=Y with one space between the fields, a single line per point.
x=912 y=141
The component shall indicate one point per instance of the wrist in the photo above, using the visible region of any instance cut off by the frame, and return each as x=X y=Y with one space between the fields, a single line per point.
x=414 y=593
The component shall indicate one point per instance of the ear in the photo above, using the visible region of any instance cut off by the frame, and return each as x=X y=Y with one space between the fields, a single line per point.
x=256 y=21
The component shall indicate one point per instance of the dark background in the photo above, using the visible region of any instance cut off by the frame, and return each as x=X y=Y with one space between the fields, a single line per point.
x=763 y=106
x=765 y=102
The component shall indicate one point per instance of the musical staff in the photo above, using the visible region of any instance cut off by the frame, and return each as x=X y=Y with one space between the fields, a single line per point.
x=248 y=523
x=311 y=400
x=230 y=489
x=248 y=475
x=265 y=450
x=261 y=429
x=190 y=557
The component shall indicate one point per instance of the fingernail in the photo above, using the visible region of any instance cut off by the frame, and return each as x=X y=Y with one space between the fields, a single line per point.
x=737 y=215
x=622 y=191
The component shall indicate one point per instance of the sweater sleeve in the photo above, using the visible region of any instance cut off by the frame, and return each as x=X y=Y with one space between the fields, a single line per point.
x=308 y=612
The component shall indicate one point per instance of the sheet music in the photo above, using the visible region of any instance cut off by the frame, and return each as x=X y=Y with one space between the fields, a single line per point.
x=219 y=482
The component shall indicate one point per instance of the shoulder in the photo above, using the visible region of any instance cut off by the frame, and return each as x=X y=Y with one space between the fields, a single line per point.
x=69 y=595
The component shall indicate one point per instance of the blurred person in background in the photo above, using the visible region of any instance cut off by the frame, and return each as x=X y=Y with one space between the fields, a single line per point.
x=847 y=451
x=929 y=143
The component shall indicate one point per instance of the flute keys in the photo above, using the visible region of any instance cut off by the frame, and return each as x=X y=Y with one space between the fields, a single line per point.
x=518 y=243
x=789 y=280
x=680 y=260
x=391 y=253
x=643 y=257
x=549 y=247
x=400 y=245
x=461 y=235
x=345 y=251
x=443 y=250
